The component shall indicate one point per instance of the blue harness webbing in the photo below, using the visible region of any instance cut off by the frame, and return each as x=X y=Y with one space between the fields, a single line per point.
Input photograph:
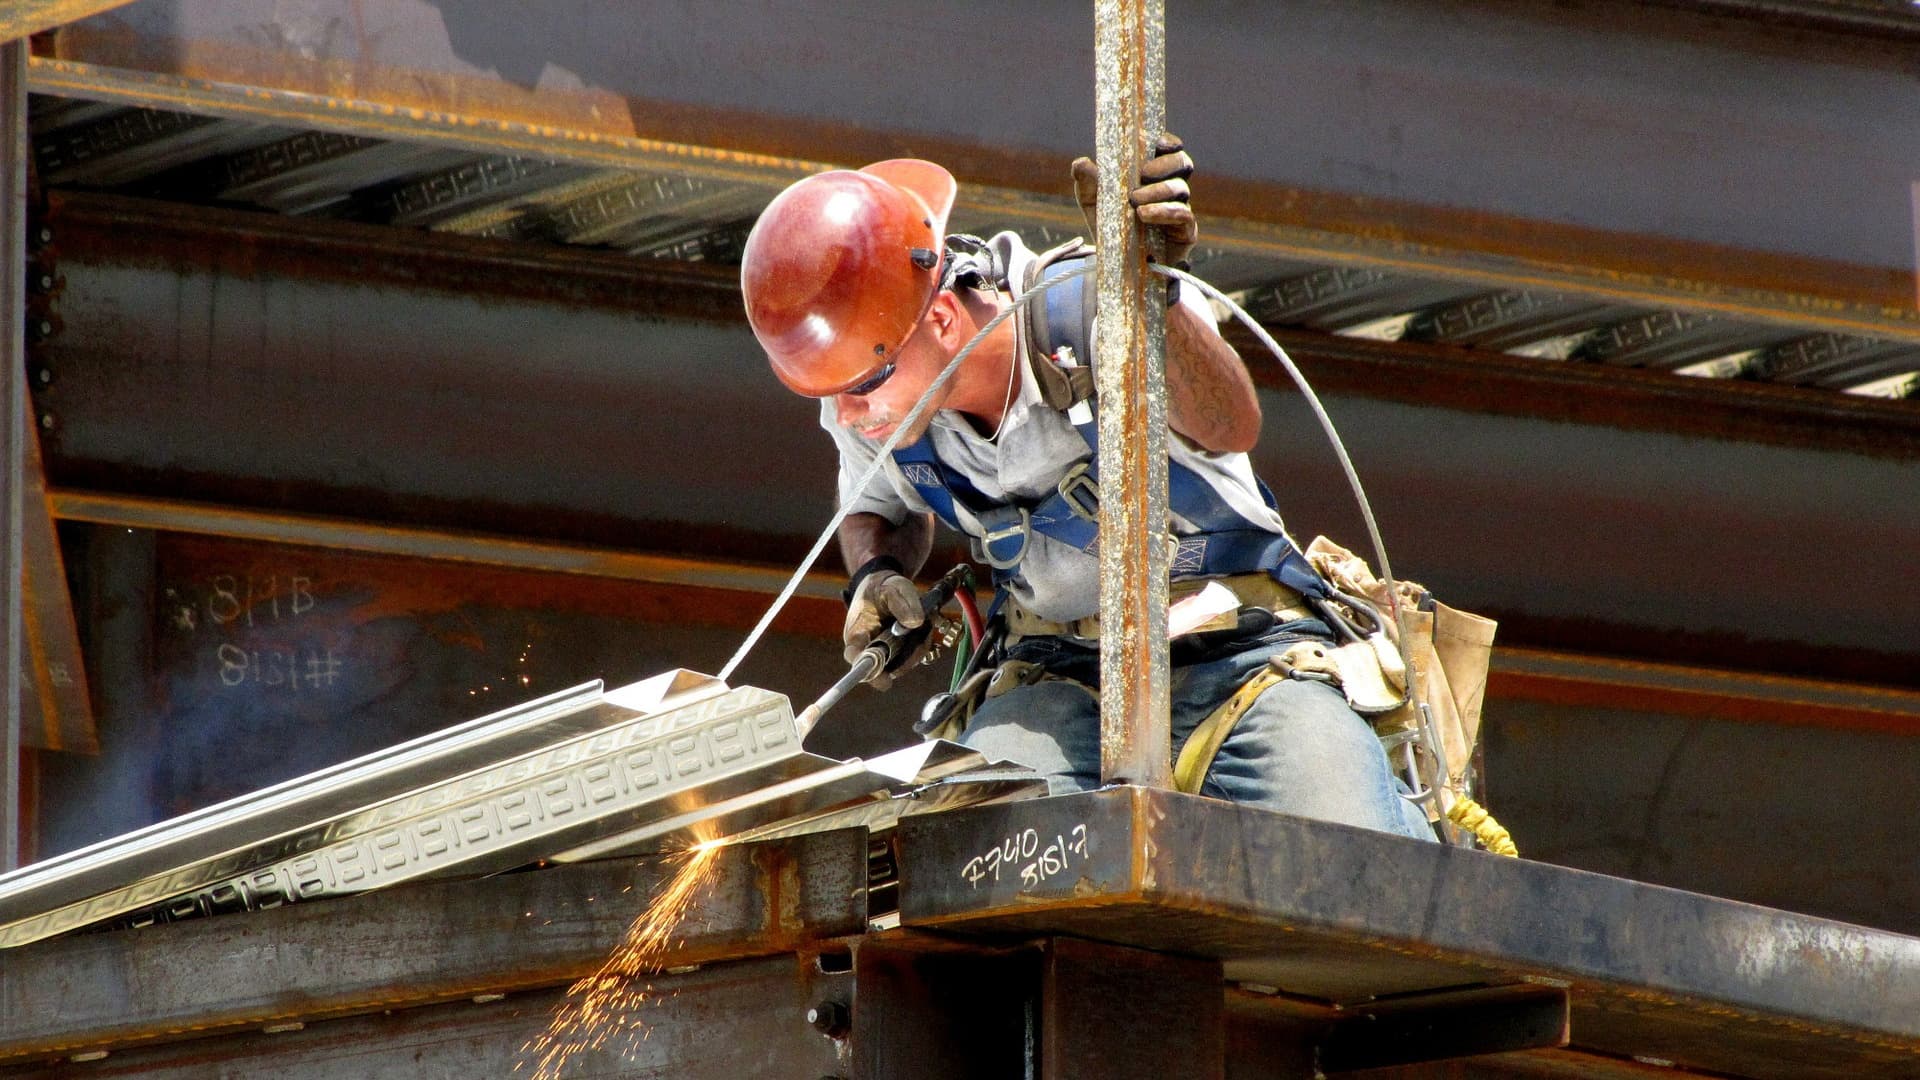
x=1224 y=543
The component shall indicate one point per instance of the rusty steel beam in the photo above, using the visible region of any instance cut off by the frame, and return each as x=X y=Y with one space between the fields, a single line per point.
x=387 y=120
x=718 y=1022
x=57 y=685
x=1882 y=19
x=1599 y=682
x=413 y=946
x=24 y=18
x=1519 y=673
x=411 y=77
x=446 y=546
x=1108 y=1013
x=95 y=229
x=1130 y=369
x=13 y=411
x=1244 y=216
x=1490 y=383
x=1345 y=916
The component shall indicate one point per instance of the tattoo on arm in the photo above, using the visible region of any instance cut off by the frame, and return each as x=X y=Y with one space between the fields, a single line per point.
x=1210 y=395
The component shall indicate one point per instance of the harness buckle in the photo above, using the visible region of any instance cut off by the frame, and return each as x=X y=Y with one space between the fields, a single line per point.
x=1081 y=493
x=993 y=541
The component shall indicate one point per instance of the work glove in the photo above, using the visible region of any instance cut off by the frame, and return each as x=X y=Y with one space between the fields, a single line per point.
x=1162 y=201
x=882 y=598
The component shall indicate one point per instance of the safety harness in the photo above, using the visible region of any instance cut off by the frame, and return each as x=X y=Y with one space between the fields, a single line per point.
x=1057 y=332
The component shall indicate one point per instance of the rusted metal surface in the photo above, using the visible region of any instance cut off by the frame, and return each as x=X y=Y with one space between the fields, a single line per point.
x=1343 y=916
x=385 y=118
x=1482 y=461
x=1130 y=373
x=1522 y=674
x=413 y=946
x=1518 y=672
x=1490 y=383
x=1108 y=1011
x=58 y=701
x=1884 y=19
x=13 y=408
x=720 y=1022
x=1362 y=82
x=347 y=534
x=1446 y=1025
x=26 y=17
x=927 y=1007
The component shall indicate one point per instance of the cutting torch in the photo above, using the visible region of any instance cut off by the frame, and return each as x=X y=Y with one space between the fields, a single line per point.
x=889 y=649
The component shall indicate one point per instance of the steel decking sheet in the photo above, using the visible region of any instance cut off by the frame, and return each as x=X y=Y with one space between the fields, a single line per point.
x=667 y=762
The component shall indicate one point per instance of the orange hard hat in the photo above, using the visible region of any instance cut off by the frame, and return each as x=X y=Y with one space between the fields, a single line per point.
x=840 y=268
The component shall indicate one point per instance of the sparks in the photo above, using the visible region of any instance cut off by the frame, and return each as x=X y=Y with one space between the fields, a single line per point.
x=605 y=1004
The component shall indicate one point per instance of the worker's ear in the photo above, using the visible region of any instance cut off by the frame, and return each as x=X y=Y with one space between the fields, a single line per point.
x=948 y=327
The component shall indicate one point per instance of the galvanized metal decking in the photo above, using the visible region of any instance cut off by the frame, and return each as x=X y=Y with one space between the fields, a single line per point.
x=1121 y=933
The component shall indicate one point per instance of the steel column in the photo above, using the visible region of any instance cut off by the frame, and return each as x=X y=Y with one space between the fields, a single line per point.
x=1130 y=112
x=13 y=407
x=1112 y=1013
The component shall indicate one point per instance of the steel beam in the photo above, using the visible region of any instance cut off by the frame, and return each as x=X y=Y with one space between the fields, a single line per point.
x=720 y=1022
x=388 y=121
x=173 y=339
x=1395 y=105
x=13 y=411
x=1130 y=369
x=479 y=549
x=1344 y=916
x=61 y=706
x=24 y=18
x=413 y=946
x=925 y=1006
x=1519 y=672
x=1108 y=1013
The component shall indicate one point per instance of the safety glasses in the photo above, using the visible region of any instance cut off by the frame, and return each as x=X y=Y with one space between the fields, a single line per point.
x=875 y=382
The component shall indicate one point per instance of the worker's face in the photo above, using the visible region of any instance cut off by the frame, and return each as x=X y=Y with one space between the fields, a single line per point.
x=875 y=414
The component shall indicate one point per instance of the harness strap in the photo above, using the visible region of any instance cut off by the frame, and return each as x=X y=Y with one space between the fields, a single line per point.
x=1058 y=337
x=1196 y=757
x=1062 y=319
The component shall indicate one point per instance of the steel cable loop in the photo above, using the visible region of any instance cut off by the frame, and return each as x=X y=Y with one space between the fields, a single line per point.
x=886 y=449
x=1403 y=643
x=1319 y=411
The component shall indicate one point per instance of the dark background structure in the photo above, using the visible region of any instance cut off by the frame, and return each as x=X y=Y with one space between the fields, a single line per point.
x=433 y=306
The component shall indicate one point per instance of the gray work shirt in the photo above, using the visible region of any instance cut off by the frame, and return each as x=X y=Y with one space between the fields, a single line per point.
x=1022 y=463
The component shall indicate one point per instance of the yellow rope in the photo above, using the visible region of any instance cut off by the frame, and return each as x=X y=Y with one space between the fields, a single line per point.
x=1474 y=818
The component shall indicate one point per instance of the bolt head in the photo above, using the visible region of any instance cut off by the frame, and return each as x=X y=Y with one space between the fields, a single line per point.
x=829 y=1018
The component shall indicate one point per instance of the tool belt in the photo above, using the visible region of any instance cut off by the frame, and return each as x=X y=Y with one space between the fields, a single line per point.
x=1256 y=590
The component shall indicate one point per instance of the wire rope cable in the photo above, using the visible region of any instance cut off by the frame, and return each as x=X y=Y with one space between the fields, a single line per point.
x=1319 y=412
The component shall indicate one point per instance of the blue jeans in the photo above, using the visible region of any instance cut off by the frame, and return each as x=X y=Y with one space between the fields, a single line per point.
x=1299 y=749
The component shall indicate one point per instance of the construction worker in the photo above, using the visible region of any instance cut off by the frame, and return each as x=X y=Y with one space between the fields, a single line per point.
x=861 y=298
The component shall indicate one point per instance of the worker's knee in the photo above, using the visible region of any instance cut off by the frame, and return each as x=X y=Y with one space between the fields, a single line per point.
x=1301 y=750
x=1050 y=727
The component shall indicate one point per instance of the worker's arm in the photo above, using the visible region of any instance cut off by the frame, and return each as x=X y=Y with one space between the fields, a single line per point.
x=865 y=537
x=1210 y=396
x=880 y=594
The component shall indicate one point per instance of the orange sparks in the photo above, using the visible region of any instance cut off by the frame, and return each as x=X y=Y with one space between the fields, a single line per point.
x=605 y=1005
